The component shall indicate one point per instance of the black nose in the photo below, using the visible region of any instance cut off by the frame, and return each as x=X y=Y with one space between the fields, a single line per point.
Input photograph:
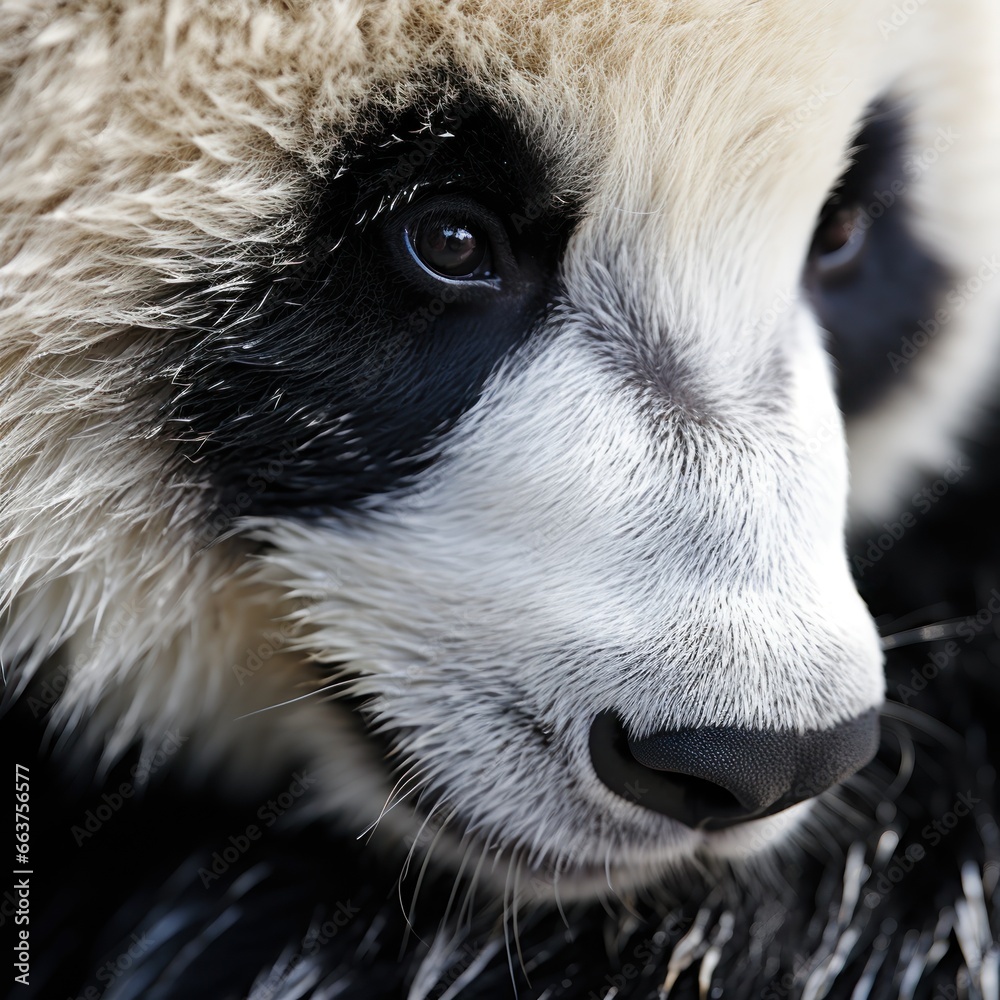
x=716 y=776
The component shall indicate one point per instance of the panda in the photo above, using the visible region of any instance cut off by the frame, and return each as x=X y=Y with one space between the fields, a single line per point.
x=498 y=499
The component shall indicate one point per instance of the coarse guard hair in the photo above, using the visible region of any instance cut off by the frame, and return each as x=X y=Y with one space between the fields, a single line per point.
x=468 y=404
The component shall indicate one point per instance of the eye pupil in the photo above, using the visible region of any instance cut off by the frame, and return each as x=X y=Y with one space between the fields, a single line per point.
x=838 y=229
x=450 y=249
x=840 y=240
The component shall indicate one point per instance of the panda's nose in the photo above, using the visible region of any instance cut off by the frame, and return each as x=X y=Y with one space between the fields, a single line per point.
x=711 y=777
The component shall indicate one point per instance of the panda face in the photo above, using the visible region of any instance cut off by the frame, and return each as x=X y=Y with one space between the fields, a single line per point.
x=562 y=495
x=527 y=489
x=490 y=351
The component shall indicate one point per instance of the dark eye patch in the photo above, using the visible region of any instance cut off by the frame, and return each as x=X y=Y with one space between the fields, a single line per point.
x=327 y=382
x=878 y=297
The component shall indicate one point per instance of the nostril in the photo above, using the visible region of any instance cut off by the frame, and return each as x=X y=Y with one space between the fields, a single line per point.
x=700 y=797
x=724 y=757
x=716 y=776
x=686 y=797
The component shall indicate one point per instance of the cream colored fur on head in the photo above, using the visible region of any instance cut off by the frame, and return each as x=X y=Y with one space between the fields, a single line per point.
x=554 y=556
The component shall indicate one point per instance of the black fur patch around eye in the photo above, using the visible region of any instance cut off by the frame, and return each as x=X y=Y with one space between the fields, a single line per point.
x=872 y=312
x=328 y=382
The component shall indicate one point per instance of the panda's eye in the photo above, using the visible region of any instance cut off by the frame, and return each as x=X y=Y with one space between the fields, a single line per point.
x=453 y=240
x=839 y=242
x=452 y=248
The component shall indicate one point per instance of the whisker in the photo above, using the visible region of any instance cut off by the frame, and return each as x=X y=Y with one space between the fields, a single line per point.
x=290 y=701
x=457 y=880
x=559 y=904
x=844 y=813
x=921 y=722
x=405 y=869
x=413 y=779
x=408 y=914
x=516 y=861
x=907 y=762
x=924 y=633
x=506 y=926
x=918 y=617
x=465 y=913
x=427 y=860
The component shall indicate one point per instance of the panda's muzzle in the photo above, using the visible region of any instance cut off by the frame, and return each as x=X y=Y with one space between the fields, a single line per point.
x=713 y=777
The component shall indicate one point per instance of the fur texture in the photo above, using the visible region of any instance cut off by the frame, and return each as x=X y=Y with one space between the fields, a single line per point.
x=639 y=507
